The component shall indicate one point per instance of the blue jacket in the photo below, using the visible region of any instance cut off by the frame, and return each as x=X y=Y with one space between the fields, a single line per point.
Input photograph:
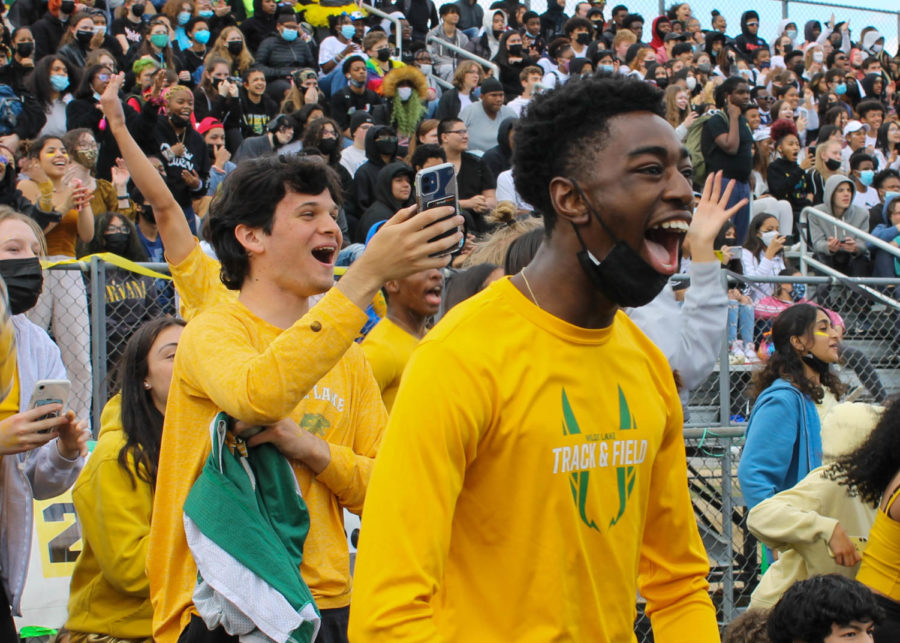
x=885 y=230
x=784 y=443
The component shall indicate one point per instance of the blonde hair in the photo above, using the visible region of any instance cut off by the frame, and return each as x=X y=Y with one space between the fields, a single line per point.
x=7 y=213
x=220 y=50
x=623 y=35
x=462 y=69
x=820 y=159
x=492 y=249
x=673 y=112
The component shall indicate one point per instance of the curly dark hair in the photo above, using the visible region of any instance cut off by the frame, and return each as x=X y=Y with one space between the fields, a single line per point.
x=249 y=196
x=312 y=136
x=785 y=363
x=809 y=608
x=868 y=470
x=563 y=132
x=749 y=627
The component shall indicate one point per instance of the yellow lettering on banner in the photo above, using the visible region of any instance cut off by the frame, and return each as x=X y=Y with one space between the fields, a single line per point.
x=59 y=535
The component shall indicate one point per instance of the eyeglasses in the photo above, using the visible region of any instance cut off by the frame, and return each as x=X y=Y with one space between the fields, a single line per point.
x=461 y=132
x=117 y=228
x=103 y=77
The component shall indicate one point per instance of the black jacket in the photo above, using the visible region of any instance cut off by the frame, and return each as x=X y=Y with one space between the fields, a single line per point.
x=788 y=182
x=47 y=32
x=499 y=158
x=366 y=177
x=385 y=205
x=259 y=27
x=278 y=58
x=195 y=157
x=449 y=105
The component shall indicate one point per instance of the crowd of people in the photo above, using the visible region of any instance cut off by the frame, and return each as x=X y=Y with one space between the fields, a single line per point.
x=317 y=324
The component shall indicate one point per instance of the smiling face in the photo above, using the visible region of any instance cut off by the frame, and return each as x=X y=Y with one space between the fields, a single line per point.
x=181 y=103
x=54 y=158
x=644 y=200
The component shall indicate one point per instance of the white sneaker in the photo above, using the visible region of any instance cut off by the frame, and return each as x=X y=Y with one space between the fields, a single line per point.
x=750 y=353
x=736 y=354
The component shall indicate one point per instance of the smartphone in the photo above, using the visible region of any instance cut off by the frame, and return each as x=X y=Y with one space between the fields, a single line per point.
x=49 y=392
x=435 y=187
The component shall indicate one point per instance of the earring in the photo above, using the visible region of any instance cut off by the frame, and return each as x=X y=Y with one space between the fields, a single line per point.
x=147 y=385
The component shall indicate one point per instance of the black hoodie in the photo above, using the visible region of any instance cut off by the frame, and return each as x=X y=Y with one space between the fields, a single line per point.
x=747 y=42
x=385 y=205
x=499 y=158
x=366 y=177
x=257 y=28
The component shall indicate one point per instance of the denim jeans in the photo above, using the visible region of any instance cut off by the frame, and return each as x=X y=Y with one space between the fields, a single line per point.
x=741 y=219
x=740 y=318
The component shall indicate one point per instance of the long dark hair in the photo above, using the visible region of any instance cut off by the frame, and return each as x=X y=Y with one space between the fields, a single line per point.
x=785 y=363
x=142 y=422
x=135 y=250
x=753 y=243
x=312 y=136
x=39 y=81
x=86 y=87
x=868 y=470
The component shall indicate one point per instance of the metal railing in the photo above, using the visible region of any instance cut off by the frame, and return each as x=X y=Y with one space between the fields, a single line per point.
x=465 y=53
x=398 y=28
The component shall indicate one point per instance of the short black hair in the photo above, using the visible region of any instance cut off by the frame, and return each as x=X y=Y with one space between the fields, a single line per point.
x=189 y=26
x=727 y=87
x=448 y=8
x=810 y=607
x=250 y=70
x=618 y=8
x=345 y=67
x=425 y=152
x=781 y=91
x=884 y=175
x=574 y=23
x=869 y=105
x=859 y=157
x=682 y=48
x=445 y=126
x=631 y=18
x=528 y=15
x=547 y=145
x=268 y=179
x=871 y=60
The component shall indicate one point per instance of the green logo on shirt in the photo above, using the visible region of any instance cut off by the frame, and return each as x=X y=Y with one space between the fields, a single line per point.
x=578 y=480
x=624 y=475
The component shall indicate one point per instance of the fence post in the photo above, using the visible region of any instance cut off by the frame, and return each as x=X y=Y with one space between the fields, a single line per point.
x=724 y=372
x=784 y=8
x=727 y=535
x=98 y=340
x=662 y=7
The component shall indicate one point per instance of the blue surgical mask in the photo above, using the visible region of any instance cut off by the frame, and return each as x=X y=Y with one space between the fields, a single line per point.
x=866 y=177
x=290 y=35
x=59 y=82
x=790 y=33
x=201 y=37
x=841 y=89
x=96 y=97
x=798 y=291
x=184 y=17
x=206 y=13
x=348 y=31
x=607 y=68
x=890 y=195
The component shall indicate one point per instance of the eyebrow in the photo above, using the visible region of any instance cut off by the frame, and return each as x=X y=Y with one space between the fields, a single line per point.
x=164 y=347
x=658 y=150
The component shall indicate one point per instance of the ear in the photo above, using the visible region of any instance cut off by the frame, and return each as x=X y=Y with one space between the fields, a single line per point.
x=798 y=344
x=250 y=238
x=567 y=203
x=392 y=286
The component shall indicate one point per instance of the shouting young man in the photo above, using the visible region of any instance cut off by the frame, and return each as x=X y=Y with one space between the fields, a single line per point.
x=533 y=475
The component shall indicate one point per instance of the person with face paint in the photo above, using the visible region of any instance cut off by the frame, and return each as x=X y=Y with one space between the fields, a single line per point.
x=41 y=458
x=612 y=236
x=784 y=440
x=284 y=51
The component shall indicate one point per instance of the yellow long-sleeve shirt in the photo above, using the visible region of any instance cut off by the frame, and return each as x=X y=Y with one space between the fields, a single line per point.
x=229 y=359
x=531 y=470
x=198 y=283
x=110 y=593
x=388 y=348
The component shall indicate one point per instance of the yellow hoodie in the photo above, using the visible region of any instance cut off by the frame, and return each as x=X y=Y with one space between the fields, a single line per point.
x=110 y=592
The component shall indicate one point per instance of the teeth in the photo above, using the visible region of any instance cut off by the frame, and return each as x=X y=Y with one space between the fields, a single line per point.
x=679 y=226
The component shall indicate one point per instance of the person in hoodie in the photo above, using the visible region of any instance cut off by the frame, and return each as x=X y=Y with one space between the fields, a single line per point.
x=884 y=264
x=261 y=25
x=661 y=26
x=786 y=28
x=49 y=30
x=873 y=45
x=749 y=40
x=39 y=458
x=393 y=191
x=284 y=51
x=499 y=158
x=784 y=440
x=110 y=593
x=553 y=19
x=811 y=32
x=381 y=149
x=836 y=247
x=471 y=15
x=488 y=43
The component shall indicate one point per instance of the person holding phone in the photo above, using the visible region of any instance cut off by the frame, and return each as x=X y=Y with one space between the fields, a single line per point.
x=763 y=253
x=39 y=458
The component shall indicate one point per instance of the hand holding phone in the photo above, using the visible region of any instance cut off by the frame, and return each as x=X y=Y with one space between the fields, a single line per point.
x=52 y=394
x=436 y=187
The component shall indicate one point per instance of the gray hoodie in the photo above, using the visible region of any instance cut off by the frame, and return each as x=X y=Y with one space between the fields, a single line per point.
x=856 y=216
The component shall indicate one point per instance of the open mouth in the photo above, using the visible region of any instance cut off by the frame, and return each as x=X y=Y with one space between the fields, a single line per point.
x=662 y=242
x=433 y=295
x=324 y=254
x=60 y=161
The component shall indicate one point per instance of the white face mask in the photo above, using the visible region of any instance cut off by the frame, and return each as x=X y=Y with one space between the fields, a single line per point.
x=768 y=237
x=876 y=49
x=691 y=83
x=426 y=68
x=404 y=93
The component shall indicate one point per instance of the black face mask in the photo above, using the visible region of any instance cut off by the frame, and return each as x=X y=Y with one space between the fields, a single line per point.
x=178 y=120
x=833 y=165
x=24 y=282
x=815 y=363
x=387 y=146
x=235 y=47
x=84 y=37
x=327 y=145
x=515 y=50
x=138 y=9
x=25 y=49
x=384 y=54
x=622 y=276
x=662 y=83
x=67 y=6
x=583 y=39
x=598 y=25
x=498 y=33
x=117 y=242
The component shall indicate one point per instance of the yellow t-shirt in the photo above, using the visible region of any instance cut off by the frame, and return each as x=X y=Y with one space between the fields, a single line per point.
x=388 y=348
x=10 y=405
x=198 y=283
x=229 y=359
x=110 y=592
x=531 y=470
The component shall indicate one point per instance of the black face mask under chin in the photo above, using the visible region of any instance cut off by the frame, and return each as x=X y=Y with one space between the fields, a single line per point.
x=816 y=364
x=623 y=276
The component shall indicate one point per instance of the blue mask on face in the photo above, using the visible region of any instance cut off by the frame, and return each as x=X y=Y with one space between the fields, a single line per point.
x=201 y=37
x=890 y=195
x=59 y=82
x=184 y=17
x=866 y=177
x=206 y=13
x=289 y=35
x=841 y=89
x=798 y=291
x=606 y=68
x=348 y=31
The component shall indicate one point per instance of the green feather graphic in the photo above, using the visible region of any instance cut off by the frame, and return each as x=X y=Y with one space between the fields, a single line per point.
x=578 y=480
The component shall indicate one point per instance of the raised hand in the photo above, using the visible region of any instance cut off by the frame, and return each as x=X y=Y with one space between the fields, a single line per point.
x=710 y=215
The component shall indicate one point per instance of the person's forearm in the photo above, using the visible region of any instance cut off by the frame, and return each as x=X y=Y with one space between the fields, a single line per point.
x=85 y=224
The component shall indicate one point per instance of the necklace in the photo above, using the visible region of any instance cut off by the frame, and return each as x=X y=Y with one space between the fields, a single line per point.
x=530 y=291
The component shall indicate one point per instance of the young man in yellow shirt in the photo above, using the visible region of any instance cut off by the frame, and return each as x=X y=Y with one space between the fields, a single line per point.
x=269 y=359
x=533 y=477
x=411 y=302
